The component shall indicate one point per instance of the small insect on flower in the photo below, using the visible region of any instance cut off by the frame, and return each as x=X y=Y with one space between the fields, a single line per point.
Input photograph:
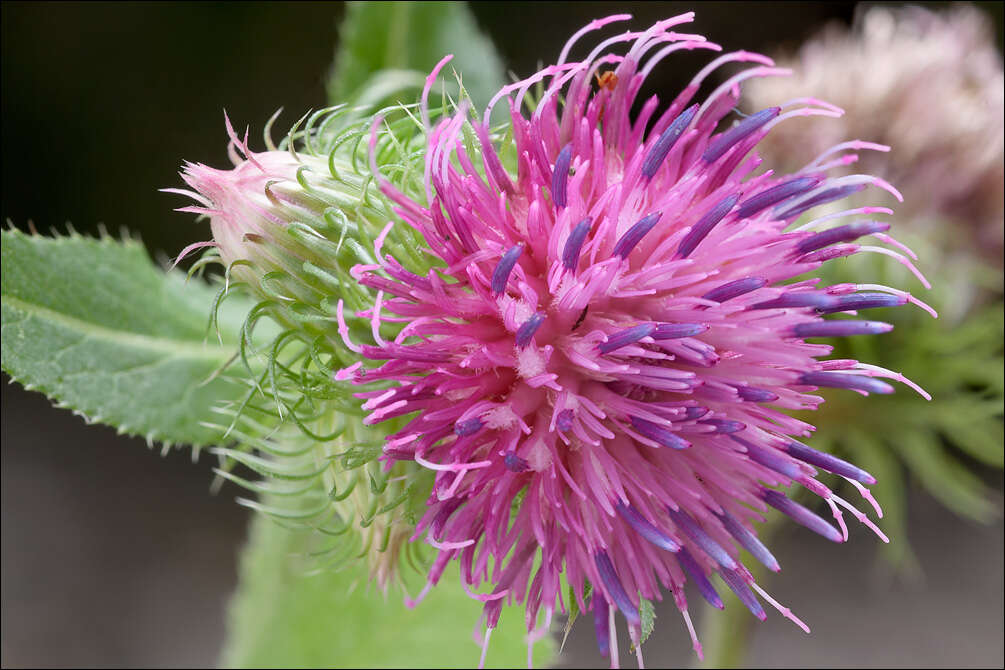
x=599 y=370
x=607 y=79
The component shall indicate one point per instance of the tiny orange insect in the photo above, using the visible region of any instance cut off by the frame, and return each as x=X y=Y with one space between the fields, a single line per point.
x=607 y=79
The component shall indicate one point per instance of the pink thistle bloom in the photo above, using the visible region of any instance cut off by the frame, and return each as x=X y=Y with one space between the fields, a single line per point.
x=600 y=369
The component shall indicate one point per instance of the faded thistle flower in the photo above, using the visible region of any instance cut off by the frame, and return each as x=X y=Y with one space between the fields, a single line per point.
x=600 y=366
x=928 y=83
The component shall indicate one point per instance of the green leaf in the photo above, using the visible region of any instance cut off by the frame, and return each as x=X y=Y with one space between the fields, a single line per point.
x=946 y=478
x=648 y=614
x=94 y=325
x=574 y=609
x=281 y=617
x=408 y=39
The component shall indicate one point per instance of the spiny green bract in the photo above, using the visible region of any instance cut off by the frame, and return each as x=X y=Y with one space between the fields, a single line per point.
x=298 y=429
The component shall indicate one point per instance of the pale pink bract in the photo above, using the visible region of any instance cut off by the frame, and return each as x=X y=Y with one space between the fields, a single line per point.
x=599 y=370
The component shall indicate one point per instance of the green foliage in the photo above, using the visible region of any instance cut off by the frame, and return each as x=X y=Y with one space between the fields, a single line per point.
x=393 y=46
x=283 y=617
x=94 y=325
x=648 y=614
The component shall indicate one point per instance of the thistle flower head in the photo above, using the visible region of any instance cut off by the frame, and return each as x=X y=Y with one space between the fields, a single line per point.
x=600 y=368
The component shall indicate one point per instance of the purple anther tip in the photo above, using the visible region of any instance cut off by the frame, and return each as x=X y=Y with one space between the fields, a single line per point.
x=661 y=147
x=794 y=299
x=769 y=458
x=753 y=394
x=609 y=578
x=842 y=380
x=724 y=426
x=692 y=413
x=697 y=575
x=525 y=333
x=646 y=529
x=468 y=427
x=564 y=420
x=625 y=337
x=700 y=230
x=703 y=540
x=828 y=462
x=560 y=177
x=735 y=289
x=846 y=233
x=792 y=210
x=673 y=331
x=865 y=300
x=775 y=194
x=505 y=266
x=634 y=235
x=514 y=463
x=658 y=433
x=842 y=328
x=574 y=243
x=801 y=515
x=727 y=139
x=601 y=623
x=748 y=541
x=736 y=584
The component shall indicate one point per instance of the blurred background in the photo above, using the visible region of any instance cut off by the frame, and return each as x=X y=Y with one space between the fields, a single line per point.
x=114 y=555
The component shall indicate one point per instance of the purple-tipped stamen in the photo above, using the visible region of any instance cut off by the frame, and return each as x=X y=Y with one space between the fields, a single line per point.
x=796 y=299
x=573 y=245
x=828 y=462
x=692 y=413
x=697 y=575
x=737 y=133
x=774 y=195
x=409 y=278
x=841 y=380
x=754 y=394
x=646 y=529
x=514 y=463
x=601 y=623
x=735 y=289
x=801 y=515
x=690 y=527
x=625 y=337
x=560 y=177
x=739 y=587
x=724 y=426
x=704 y=225
x=749 y=541
x=468 y=427
x=525 y=333
x=787 y=211
x=564 y=420
x=634 y=235
x=614 y=588
x=405 y=353
x=856 y=301
x=661 y=147
x=847 y=233
x=673 y=331
x=769 y=459
x=843 y=328
x=658 y=433
x=503 y=269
